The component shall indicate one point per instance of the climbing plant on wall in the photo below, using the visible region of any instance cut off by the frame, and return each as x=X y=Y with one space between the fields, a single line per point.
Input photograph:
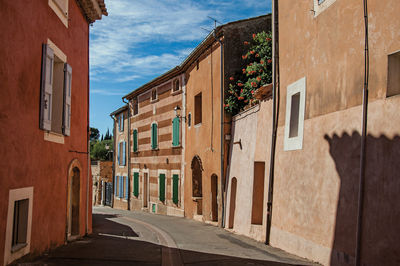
x=256 y=72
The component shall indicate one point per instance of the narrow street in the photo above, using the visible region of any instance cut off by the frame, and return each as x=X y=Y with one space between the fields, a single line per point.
x=137 y=238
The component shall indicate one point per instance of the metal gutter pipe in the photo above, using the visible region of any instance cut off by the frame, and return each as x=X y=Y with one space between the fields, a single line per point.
x=275 y=115
x=113 y=165
x=363 y=140
x=88 y=139
x=129 y=152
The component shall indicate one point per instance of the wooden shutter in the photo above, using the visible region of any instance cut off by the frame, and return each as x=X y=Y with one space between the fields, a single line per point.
x=46 y=89
x=175 y=186
x=126 y=187
x=136 y=184
x=115 y=185
x=118 y=154
x=135 y=141
x=121 y=186
x=122 y=122
x=162 y=187
x=124 y=153
x=175 y=131
x=67 y=100
x=154 y=136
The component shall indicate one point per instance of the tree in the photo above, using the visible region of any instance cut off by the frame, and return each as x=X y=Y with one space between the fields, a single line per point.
x=94 y=133
x=256 y=72
x=101 y=150
x=108 y=135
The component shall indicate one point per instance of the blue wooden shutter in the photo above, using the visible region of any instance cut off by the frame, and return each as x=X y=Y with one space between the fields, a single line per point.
x=126 y=187
x=162 y=187
x=121 y=186
x=136 y=184
x=175 y=186
x=122 y=122
x=175 y=132
x=124 y=153
x=118 y=154
x=115 y=185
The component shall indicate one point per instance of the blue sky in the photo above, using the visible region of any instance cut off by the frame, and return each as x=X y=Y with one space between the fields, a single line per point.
x=139 y=40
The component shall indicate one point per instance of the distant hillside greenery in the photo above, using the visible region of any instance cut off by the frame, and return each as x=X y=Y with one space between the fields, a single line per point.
x=256 y=72
x=98 y=148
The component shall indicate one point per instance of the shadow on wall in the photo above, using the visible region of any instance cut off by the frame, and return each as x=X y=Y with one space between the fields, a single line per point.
x=381 y=211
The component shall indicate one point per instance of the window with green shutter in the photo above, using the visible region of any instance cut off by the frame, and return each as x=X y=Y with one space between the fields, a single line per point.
x=175 y=186
x=135 y=140
x=175 y=132
x=136 y=184
x=162 y=187
x=154 y=136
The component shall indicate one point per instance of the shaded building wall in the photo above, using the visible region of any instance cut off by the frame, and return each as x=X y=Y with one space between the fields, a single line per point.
x=120 y=170
x=252 y=128
x=166 y=159
x=27 y=160
x=315 y=191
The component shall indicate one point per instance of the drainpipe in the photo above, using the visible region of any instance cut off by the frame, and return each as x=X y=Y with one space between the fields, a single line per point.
x=113 y=165
x=88 y=140
x=222 y=127
x=363 y=140
x=275 y=115
x=129 y=152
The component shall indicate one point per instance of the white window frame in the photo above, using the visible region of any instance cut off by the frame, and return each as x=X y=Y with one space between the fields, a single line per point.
x=63 y=15
x=162 y=171
x=295 y=143
x=320 y=7
x=15 y=195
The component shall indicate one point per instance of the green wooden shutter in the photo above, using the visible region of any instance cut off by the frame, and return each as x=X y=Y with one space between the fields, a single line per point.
x=175 y=132
x=135 y=141
x=136 y=184
x=175 y=185
x=154 y=136
x=162 y=187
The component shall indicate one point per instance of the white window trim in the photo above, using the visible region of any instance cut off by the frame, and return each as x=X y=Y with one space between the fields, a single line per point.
x=162 y=171
x=63 y=16
x=295 y=143
x=136 y=170
x=319 y=8
x=15 y=195
x=120 y=118
x=175 y=172
x=173 y=86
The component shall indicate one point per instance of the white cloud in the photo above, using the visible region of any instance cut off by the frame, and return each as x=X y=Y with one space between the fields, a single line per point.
x=107 y=92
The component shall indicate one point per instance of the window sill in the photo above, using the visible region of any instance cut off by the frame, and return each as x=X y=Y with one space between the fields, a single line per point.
x=197 y=198
x=156 y=149
x=197 y=125
x=177 y=147
x=173 y=93
x=54 y=137
x=18 y=247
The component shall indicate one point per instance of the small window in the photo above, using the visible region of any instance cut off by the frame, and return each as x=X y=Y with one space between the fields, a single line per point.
x=20 y=224
x=135 y=107
x=197 y=109
x=136 y=184
x=295 y=107
x=154 y=95
x=176 y=85
x=135 y=140
x=154 y=135
x=161 y=188
x=121 y=122
x=175 y=132
x=189 y=119
x=122 y=153
x=393 y=86
x=175 y=188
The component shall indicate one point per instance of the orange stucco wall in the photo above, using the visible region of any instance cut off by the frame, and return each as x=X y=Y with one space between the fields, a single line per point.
x=27 y=160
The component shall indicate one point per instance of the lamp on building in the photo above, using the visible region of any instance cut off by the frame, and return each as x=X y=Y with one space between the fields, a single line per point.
x=177 y=111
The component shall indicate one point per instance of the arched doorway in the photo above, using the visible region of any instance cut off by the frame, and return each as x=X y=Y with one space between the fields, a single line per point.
x=73 y=200
x=214 y=197
x=232 y=204
x=197 y=183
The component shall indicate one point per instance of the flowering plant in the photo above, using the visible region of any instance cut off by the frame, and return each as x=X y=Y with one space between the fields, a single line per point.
x=256 y=72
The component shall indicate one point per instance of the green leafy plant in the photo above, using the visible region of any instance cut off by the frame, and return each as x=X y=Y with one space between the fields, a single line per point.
x=256 y=72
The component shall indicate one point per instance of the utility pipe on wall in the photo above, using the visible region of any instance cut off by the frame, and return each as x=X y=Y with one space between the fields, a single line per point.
x=275 y=114
x=88 y=141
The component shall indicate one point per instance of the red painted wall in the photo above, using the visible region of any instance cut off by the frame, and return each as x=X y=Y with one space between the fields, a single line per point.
x=26 y=159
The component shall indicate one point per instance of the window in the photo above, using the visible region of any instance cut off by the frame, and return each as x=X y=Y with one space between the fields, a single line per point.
x=135 y=107
x=197 y=109
x=60 y=7
x=154 y=136
x=55 y=98
x=135 y=140
x=175 y=188
x=20 y=224
x=176 y=86
x=189 y=119
x=295 y=107
x=136 y=184
x=126 y=187
x=121 y=153
x=258 y=193
x=161 y=187
x=393 y=86
x=154 y=94
x=116 y=185
x=121 y=122
x=121 y=187
x=175 y=132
